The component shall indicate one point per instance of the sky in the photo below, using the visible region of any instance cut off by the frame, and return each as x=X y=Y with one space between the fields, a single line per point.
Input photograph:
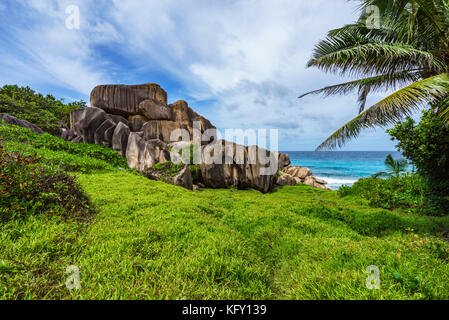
x=239 y=63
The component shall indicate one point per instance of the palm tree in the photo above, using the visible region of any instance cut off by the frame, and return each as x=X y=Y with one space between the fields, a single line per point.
x=394 y=168
x=408 y=53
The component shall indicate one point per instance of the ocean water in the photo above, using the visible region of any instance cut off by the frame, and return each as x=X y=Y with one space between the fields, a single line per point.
x=341 y=167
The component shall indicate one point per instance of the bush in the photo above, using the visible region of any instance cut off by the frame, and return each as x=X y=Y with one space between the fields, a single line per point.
x=67 y=155
x=195 y=170
x=426 y=144
x=28 y=188
x=405 y=192
x=163 y=171
x=46 y=112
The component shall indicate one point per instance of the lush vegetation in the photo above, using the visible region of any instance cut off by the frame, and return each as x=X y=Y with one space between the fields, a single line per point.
x=394 y=167
x=405 y=192
x=46 y=112
x=427 y=145
x=404 y=50
x=29 y=188
x=58 y=153
x=150 y=240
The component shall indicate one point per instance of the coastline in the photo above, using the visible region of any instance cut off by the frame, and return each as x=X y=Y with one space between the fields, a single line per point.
x=341 y=167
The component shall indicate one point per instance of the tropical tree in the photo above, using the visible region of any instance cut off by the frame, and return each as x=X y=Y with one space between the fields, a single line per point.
x=394 y=168
x=406 y=51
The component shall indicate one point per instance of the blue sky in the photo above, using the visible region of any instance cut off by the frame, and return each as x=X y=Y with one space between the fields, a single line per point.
x=239 y=63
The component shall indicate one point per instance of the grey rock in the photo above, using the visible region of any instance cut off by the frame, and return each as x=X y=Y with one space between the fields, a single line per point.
x=155 y=110
x=184 y=178
x=136 y=122
x=22 y=123
x=287 y=180
x=240 y=167
x=117 y=119
x=120 y=138
x=103 y=134
x=85 y=122
x=123 y=99
x=142 y=154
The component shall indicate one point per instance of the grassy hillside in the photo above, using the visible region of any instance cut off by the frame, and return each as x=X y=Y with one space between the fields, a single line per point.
x=149 y=240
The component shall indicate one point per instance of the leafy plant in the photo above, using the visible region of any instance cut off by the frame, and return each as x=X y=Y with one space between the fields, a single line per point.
x=28 y=188
x=403 y=192
x=60 y=153
x=426 y=144
x=46 y=112
x=394 y=167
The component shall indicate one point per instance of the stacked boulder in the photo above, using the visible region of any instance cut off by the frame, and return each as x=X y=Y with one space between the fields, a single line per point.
x=138 y=122
x=293 y=175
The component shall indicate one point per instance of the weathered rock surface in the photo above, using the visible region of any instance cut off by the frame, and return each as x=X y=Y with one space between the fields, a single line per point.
x=299 y=172
x=163 y=130
x=183 y=114
x=103 y=134
x=155 y=110
x=136 y=122
x=287 y=180
x=117 y=119
x=86 y=121
x=142 y=154
x=183 y=178
x=120 y=138
x=125 y=100
x=283 y=160
x=305 y=176
x=68 y=134
x=22 y=123
x=228 y=164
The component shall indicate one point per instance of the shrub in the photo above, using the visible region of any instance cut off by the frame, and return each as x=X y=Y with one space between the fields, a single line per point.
x=163 y=171
x=67 y=155
x=404 y=192
x=44 y=111
x=195 y=170
x=28 y=188
x=426 y=144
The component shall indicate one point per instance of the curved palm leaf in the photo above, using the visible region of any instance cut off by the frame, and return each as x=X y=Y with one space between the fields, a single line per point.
x=349 y=58
x=392 y=109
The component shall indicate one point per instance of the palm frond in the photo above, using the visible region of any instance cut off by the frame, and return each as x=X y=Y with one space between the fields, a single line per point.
x=351 y=58
x=380 y=82
x=391 y=109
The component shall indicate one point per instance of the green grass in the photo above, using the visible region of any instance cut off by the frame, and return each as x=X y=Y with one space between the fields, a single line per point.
x=150 y=240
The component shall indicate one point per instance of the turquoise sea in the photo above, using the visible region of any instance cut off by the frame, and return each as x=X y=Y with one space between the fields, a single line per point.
x=341 y=167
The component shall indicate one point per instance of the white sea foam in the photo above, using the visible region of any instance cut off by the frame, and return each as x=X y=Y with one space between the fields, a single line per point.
x=335 y=183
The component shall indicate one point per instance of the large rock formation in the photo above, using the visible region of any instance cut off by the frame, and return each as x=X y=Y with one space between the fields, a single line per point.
x=125 y=100
x=138 y=122
x=226 y=164
x=22 y=123
x=147 y=102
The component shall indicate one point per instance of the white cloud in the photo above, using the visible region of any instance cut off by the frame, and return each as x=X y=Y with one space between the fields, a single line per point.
x=49 y=52
x=246 y=57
